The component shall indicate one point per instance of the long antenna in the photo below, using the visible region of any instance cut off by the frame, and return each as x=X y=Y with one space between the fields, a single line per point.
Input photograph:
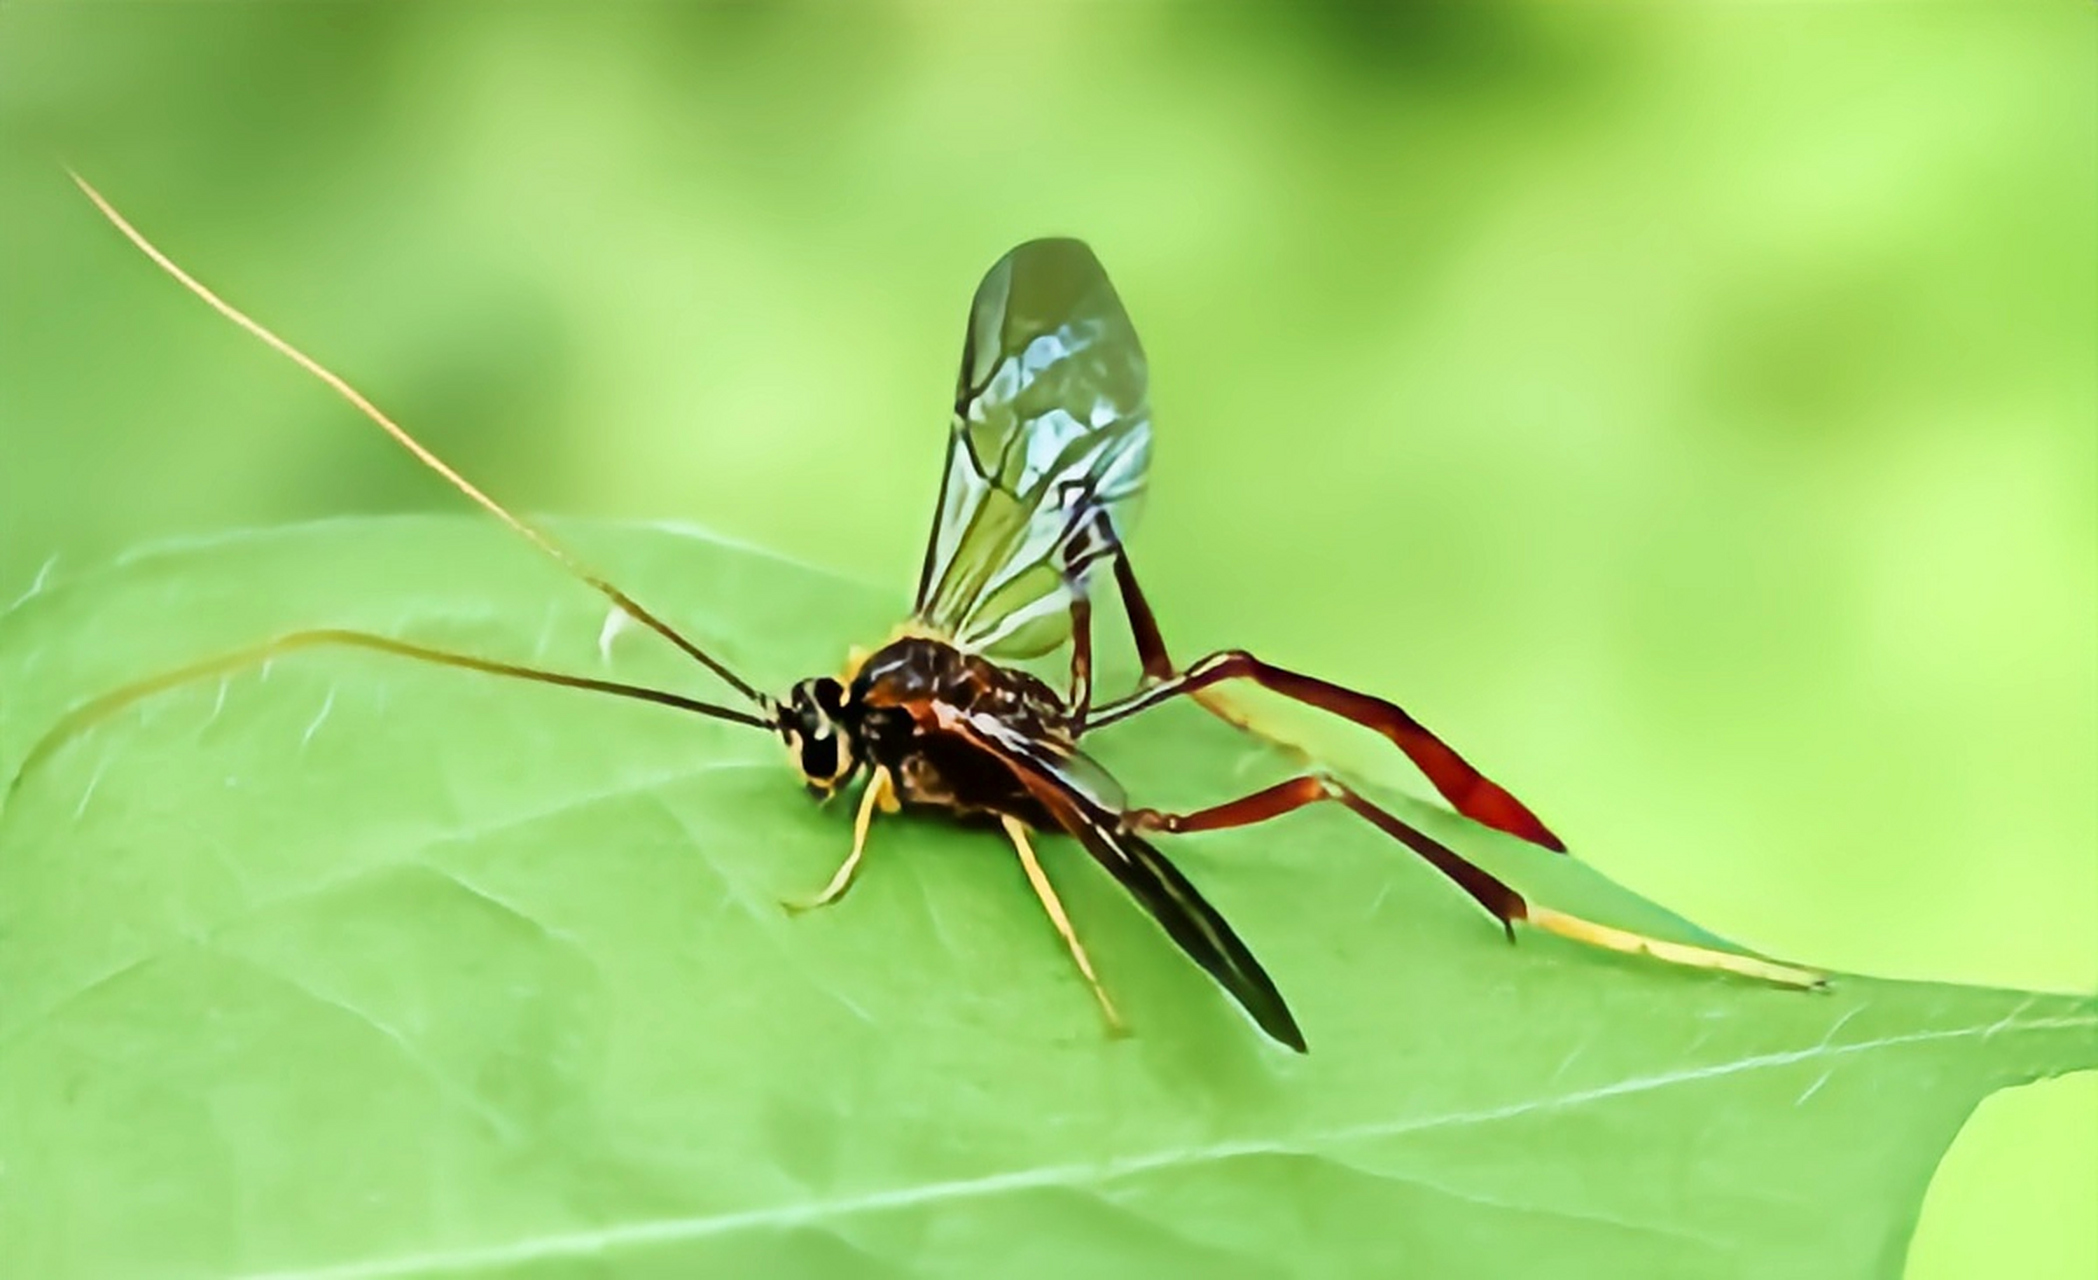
x=567 y=559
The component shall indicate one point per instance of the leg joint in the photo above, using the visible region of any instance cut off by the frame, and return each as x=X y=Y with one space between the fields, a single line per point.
x=1133 y=821
x=1222 y=659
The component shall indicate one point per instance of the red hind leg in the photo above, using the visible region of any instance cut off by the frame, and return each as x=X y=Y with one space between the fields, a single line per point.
x=1505 y=904
x=1485 y=889
x=1469 y=791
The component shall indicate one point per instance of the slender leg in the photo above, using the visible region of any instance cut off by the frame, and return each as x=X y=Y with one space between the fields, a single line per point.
x=1504 y=903
x=95 y=711
x=1086 y=539
x=1682 y=953
x=1058 y=917
x=1158 y=665
x=1143 y=627
x=1081 y=699
x=880 y=794
x=1488 y=891
x=1470 y=792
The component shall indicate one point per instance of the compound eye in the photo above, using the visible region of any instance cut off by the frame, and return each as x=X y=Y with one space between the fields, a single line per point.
x=829 y=695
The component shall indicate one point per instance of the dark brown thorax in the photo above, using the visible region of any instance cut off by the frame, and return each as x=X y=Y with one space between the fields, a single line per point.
x=897 y=698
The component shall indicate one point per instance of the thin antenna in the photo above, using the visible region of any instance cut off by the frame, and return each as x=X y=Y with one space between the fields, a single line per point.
x=568 y=560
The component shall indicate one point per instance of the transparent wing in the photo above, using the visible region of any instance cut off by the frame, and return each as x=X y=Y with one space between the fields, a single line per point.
x=1047 y=456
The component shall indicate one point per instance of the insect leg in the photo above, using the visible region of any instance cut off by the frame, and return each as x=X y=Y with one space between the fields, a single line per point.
x=1158 y=664
x=1086 y=539
x=1080 y=701
x=1506 y=905
x=1062 y=920
x=97 y=710
x=1143 y=626
x=1611 y=938
x=880 y=794
x=1470 y=792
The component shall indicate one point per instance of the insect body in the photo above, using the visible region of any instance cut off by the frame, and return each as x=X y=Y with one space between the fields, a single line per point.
x=895 y=720
x=1047 y=457
x=934 y=725
x=905 y=701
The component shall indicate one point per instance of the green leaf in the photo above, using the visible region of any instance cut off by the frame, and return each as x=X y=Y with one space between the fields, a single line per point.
x=366 y=968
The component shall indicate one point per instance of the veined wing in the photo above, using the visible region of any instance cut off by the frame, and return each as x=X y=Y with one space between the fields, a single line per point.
x=1047 y=455
x=1083 y=800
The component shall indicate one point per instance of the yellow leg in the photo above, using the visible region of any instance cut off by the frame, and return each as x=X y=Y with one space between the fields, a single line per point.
x=1683 y=953
x=1055 y=907
x=880 y=794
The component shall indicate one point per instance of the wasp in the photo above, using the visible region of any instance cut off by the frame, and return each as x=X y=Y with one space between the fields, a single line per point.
x=1048 y=455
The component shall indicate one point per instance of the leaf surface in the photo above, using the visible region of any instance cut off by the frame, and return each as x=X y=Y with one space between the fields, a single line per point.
x=363 y=968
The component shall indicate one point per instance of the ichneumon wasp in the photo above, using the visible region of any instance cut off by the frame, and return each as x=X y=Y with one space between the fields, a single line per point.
x=1047 y=457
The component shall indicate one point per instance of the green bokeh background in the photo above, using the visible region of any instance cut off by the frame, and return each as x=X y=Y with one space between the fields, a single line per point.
x=1692 y=411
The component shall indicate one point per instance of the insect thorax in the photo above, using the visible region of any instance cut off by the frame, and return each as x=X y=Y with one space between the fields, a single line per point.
x=904 y=699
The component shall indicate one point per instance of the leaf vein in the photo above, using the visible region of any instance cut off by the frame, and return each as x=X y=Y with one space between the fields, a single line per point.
x=658 y=1231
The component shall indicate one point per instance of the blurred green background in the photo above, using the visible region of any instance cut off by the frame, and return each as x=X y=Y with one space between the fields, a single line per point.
x=1691 y=411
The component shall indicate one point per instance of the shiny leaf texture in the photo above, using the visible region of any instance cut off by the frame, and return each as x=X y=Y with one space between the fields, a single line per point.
x=357 y=968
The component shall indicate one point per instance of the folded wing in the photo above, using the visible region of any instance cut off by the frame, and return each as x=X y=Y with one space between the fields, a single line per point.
x=1069 y=786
